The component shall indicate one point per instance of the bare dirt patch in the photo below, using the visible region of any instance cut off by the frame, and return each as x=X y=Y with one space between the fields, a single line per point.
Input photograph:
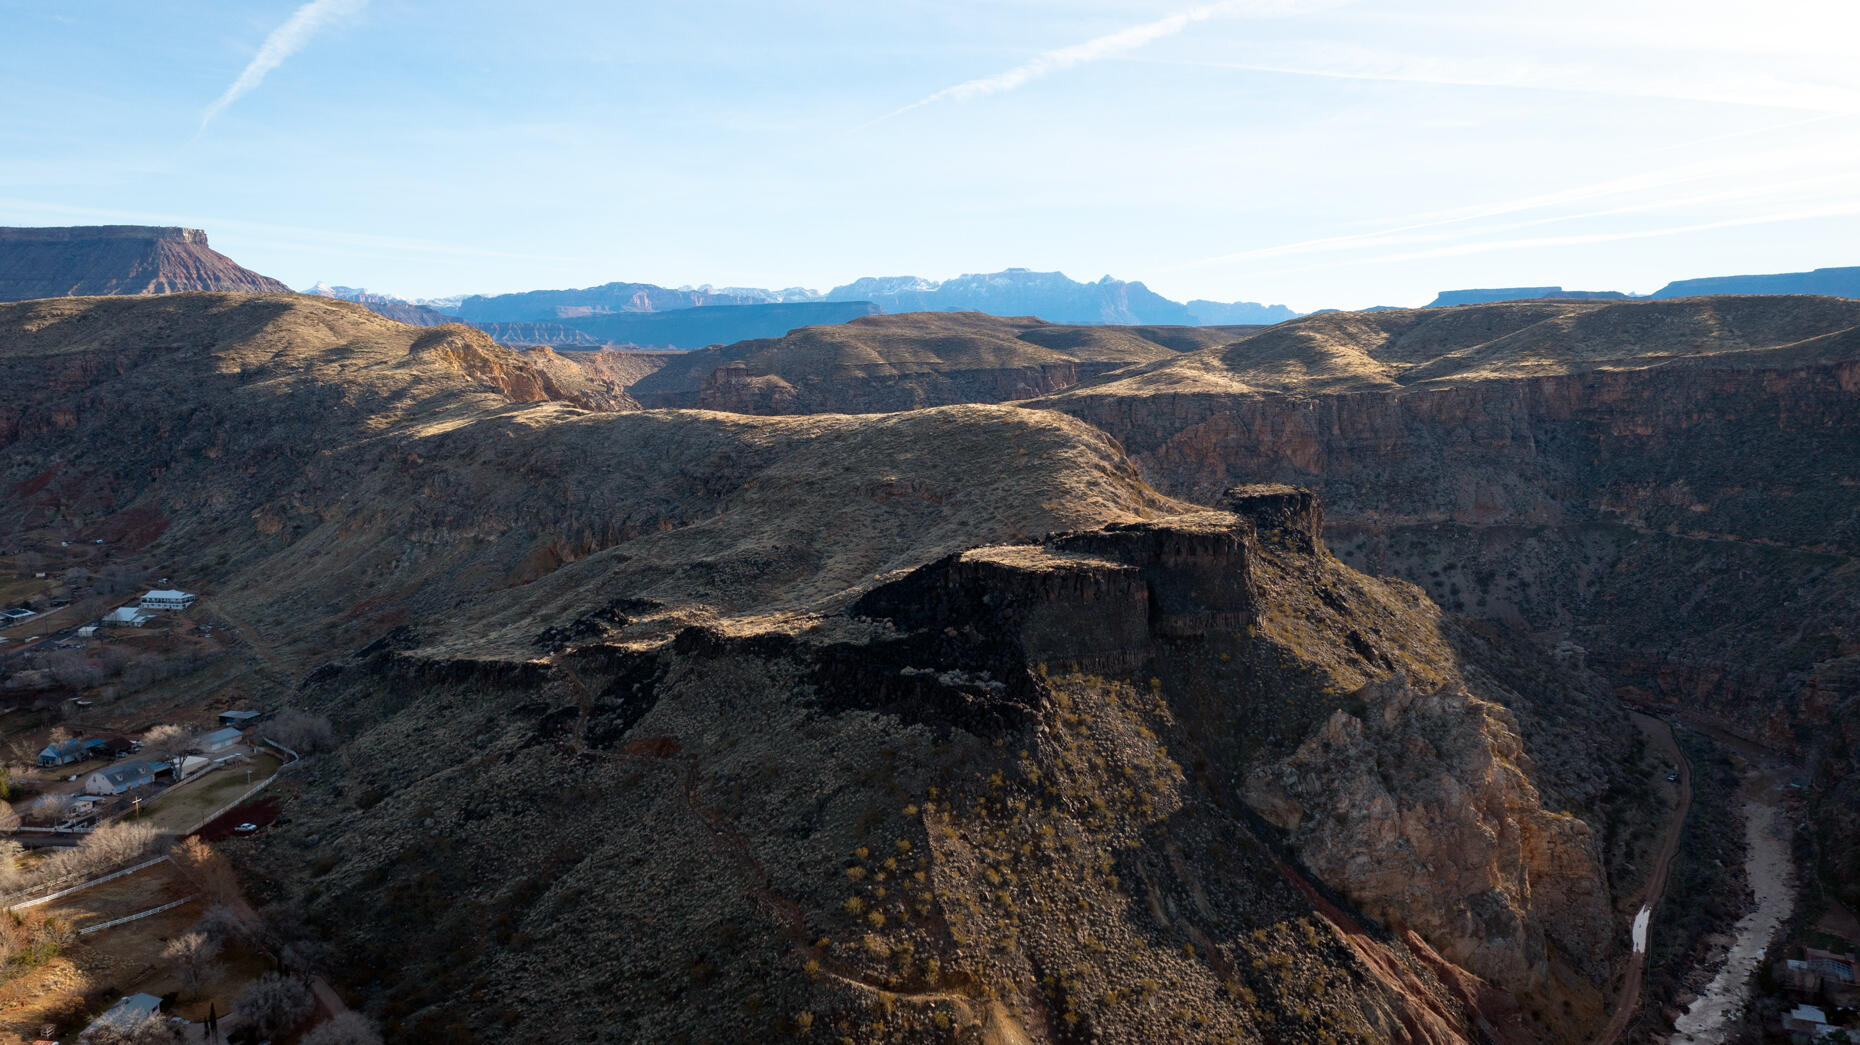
x=260 y=814
x=160 y=884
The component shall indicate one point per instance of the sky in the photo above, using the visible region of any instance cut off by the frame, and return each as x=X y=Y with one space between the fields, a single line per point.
x=1316 y=153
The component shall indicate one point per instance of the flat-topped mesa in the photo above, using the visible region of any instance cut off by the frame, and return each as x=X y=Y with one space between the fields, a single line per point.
x=81 y=233
x=1279 y=509
x=104 y=260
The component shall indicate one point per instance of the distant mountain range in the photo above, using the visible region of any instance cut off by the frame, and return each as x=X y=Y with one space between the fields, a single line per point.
x=1050 y=296
x=134 y=259
x=599 y=315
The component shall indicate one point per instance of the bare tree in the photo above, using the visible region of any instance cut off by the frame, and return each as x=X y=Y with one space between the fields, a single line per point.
x=164 y=742
x=115 y=579
x=121 y=843
x=224 y=924
x=347 y=1028
x=193 y=954
x=105 y=847
x=274 y=1004
x=74 y=670
x=208 y=869
x=11 y=877
x=303 y=733
x=152 y=1029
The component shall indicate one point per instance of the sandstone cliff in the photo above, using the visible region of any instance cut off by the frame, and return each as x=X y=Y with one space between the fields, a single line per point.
x=1421 y=809
x=1556 y=465
x=92 y=260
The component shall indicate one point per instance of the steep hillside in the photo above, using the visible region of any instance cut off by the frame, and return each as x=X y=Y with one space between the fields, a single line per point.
x=883 y=363
x=137 y=415
x=937 y=725
x=1664 y=486
x=92 y=260
x=990 y=798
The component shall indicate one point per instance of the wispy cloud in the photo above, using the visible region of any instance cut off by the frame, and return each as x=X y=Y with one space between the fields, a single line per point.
x=1761 y=89
x=1751 y=174
x=284 y=41
x=1839 y=209
x=1098 y=49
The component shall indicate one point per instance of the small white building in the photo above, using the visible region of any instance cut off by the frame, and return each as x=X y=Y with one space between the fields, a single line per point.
x=87 y=631
x=167 y=599
x=218 y=741
x=123 y=1018
x=127 y=617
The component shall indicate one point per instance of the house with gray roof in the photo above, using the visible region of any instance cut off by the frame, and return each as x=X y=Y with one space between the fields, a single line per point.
x=116 y=779
x=219 y=740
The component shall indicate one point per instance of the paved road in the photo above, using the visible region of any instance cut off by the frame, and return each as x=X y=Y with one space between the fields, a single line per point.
x=1628 y=1003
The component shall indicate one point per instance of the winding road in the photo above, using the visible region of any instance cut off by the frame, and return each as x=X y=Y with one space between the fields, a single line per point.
x=1661 y=734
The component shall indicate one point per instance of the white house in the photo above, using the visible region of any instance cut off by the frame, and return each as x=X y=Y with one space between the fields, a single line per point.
x=116 y=779
x=127 y=617
x=167 y=599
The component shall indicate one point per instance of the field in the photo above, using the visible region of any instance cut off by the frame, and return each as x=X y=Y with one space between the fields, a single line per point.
x=98 y=968
x=153 y=887
x=183 y=807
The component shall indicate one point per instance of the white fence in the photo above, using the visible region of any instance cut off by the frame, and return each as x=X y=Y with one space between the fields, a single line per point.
x=36 y=901
x=88 y=929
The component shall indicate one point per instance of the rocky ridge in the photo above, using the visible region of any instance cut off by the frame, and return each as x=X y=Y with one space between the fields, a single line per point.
x=801 y=713
x=889 y=363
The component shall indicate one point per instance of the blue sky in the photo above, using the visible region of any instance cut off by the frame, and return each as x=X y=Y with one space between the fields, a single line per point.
x=1319 y=153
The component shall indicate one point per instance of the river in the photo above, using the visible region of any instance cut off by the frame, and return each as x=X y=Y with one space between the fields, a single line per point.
x=1768 y=862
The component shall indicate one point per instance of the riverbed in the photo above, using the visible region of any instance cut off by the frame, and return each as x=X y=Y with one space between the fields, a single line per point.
x=1719 y=1008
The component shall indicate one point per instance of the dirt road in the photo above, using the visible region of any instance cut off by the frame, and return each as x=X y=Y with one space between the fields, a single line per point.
x=1661 y=735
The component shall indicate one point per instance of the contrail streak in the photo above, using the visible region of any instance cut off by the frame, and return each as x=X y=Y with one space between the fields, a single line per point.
x=1096 y=49
x=284 y=41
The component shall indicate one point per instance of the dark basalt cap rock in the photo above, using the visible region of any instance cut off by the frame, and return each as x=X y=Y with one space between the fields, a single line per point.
x=1279 y=508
